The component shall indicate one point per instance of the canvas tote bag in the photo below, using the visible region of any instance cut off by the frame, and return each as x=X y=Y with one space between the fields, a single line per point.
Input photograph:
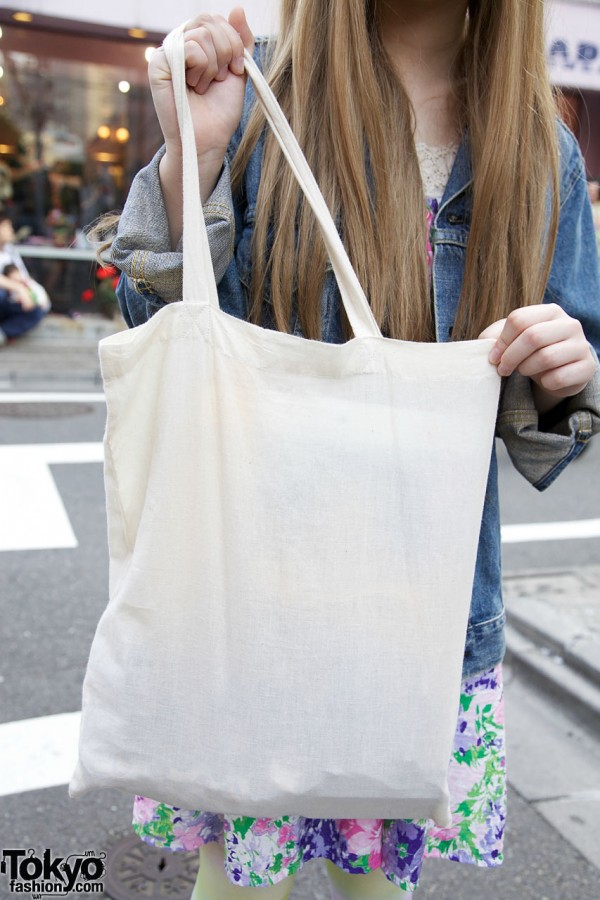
x=292 y=529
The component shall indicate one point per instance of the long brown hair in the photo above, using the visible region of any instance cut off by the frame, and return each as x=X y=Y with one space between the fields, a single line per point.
x=352 y=117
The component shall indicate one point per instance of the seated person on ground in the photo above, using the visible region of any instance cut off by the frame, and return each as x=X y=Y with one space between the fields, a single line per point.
x=23 y=302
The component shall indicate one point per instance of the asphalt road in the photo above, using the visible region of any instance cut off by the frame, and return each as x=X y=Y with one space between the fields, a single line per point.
x=50 y=602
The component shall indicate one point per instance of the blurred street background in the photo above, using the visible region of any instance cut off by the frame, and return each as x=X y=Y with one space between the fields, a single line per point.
x=76 y=123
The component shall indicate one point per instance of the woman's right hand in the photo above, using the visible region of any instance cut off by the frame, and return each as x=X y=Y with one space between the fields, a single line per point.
x=214 y=51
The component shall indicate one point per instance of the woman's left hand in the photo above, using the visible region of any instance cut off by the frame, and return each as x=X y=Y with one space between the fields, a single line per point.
x=546 y=344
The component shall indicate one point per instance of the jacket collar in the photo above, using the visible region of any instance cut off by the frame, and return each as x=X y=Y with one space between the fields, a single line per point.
x=460 y=175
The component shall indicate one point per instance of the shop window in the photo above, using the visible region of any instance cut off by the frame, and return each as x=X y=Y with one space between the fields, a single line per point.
x=76 y=123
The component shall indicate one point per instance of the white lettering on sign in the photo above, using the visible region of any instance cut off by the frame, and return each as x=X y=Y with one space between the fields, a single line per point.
x=570 y=55
x=573 y=44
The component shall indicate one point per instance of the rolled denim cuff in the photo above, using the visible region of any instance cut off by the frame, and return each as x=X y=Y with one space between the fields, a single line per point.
x=540 y=447
x=142 y=247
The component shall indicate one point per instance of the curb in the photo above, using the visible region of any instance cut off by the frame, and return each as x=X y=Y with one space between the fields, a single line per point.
x=554 y=648
x=50 y=382
x=540 y=665
x=60 y=354
x=553 y=636
x=84 y=331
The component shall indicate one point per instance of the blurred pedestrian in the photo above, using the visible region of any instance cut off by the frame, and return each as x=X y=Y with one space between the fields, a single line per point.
x=38 y=293
x=23 y=302
x=432 y=131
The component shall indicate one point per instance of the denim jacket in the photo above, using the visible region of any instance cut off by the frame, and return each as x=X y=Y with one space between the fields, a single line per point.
x=539 y=448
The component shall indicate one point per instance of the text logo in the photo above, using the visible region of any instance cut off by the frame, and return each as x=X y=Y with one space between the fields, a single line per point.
x=38 y=875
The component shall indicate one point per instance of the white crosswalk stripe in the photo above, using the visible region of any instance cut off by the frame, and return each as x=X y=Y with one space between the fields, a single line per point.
x=551 y=531
x=38 y=753
x=34 y=516
x=46 y=397
x=33 y=513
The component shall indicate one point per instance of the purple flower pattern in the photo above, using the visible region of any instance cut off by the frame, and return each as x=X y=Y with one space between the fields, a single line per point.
x=261 y=851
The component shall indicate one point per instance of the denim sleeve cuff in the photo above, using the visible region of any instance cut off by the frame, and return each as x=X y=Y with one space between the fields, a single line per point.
x=541 y=446
x=142 y=247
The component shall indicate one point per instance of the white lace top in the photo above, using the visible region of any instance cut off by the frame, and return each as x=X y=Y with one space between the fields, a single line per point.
x=436 y=164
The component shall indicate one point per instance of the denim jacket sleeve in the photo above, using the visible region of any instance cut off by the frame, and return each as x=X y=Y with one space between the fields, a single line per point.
x=151 y=270
x=541 y=447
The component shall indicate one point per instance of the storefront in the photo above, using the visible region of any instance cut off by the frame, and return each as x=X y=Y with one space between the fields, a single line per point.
x=573 y=52
x=76 y=117
x=76 y=121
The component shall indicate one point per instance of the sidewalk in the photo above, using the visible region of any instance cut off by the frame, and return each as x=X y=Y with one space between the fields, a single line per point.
x=60 y=354
x=553 y=617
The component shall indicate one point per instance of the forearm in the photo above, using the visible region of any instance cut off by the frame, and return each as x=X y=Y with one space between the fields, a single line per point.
x=143 y=248
x=171 y=181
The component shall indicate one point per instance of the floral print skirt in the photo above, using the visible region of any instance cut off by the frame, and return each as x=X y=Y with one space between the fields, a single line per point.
x=260 y=852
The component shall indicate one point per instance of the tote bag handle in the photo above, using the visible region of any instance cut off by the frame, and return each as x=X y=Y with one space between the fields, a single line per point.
x=198 y=281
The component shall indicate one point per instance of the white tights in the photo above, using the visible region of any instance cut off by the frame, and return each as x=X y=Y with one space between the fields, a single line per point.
x=213 y=884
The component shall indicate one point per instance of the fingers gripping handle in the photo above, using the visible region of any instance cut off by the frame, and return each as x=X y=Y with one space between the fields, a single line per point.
x=359 y=312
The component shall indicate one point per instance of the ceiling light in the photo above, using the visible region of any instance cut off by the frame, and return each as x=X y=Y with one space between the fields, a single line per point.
x=103 y=132
x=124 y=87
x=138 y=33
x=122 y=135
x=22 y=17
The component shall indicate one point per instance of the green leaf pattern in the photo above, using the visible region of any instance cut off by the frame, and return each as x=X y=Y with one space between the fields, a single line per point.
x=262 y=851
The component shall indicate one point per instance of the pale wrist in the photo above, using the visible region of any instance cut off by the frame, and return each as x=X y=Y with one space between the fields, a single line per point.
x=545 y=401
x=210 y=165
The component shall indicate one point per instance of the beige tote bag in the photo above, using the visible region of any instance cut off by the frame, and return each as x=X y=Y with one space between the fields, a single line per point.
x=292 y=528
